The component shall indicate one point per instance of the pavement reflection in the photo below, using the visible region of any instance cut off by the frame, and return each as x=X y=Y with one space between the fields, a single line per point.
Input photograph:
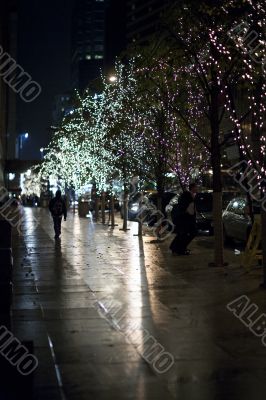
x=67 y=293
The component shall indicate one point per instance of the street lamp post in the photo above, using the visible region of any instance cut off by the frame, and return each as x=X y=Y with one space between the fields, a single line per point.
x=19 y=143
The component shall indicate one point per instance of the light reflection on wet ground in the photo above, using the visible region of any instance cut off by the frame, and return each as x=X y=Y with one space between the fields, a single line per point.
x=180 y=301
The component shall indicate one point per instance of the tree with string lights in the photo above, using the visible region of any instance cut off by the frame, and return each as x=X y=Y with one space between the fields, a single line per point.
x=31 y=183
x=249 y=38
x=65 y=157
x=97 y=141
x=118 y=126
x=168 y=140
x=211 y=68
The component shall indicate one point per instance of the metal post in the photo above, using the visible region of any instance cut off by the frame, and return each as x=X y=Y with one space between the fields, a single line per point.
x=140 y=217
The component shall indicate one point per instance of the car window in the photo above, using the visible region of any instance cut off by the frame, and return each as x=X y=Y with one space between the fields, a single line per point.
x=237 y=206
x=135 y=197
x=241 y=207
x=203 y=202
x=166 y=197
x=230 y=207
x=227 y=197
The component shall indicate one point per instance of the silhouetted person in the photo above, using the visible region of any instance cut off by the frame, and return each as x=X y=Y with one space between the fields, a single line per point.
x=184 y=218
x=57 y=207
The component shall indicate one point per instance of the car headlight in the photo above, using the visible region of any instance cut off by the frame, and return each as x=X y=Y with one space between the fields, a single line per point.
x=134 y=207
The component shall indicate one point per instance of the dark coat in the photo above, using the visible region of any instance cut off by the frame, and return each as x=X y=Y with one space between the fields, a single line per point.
x=183 y=221
x=57 y=207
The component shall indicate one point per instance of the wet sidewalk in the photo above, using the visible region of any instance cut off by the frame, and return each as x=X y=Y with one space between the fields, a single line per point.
x=96 y=302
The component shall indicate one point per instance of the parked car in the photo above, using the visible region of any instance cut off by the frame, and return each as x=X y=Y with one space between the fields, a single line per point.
x=203 y=203
x=237 y=221
x=204 y=217
x=204 y=208
x=229 y=195
x=165 y=201
x=134 y=207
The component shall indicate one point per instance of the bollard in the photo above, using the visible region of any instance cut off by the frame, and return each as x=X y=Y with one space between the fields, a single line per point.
x=83 y=208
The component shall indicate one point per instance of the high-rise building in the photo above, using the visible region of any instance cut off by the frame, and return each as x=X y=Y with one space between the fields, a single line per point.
x=8 y=41
x=144 y=18
x=12 y=95
x=3 y=100
x=88 y=27
x=61 y=107
x=115 y=32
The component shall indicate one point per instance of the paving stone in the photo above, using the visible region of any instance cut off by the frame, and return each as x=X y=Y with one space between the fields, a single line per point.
x=92 y=302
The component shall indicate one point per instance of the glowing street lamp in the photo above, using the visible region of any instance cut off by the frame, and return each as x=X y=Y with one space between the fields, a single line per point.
x=112 y=78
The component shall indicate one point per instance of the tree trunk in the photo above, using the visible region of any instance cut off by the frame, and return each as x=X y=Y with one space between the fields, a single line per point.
x=103 y=207
x=112 y=211
x=96 y=208
x=217 y=181
x=125 y=209
x=255 y=129
x=160 y=190
x=263 y=243
x=159 y=203
x=140 y=219
x=257 y=156
x=218 y=229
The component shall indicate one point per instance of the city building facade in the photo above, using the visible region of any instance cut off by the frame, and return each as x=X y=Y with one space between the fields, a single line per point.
x=143 y=19
x=8 y=43
x=3 y=98
x=88 y=27
x=62 y=106
x=115 y=33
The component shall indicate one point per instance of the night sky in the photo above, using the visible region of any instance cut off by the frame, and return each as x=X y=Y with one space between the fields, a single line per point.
x=44 y=44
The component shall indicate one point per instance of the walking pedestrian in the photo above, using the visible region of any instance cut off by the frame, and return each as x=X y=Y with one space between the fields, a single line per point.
x=184 y=218
x=57 y=207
